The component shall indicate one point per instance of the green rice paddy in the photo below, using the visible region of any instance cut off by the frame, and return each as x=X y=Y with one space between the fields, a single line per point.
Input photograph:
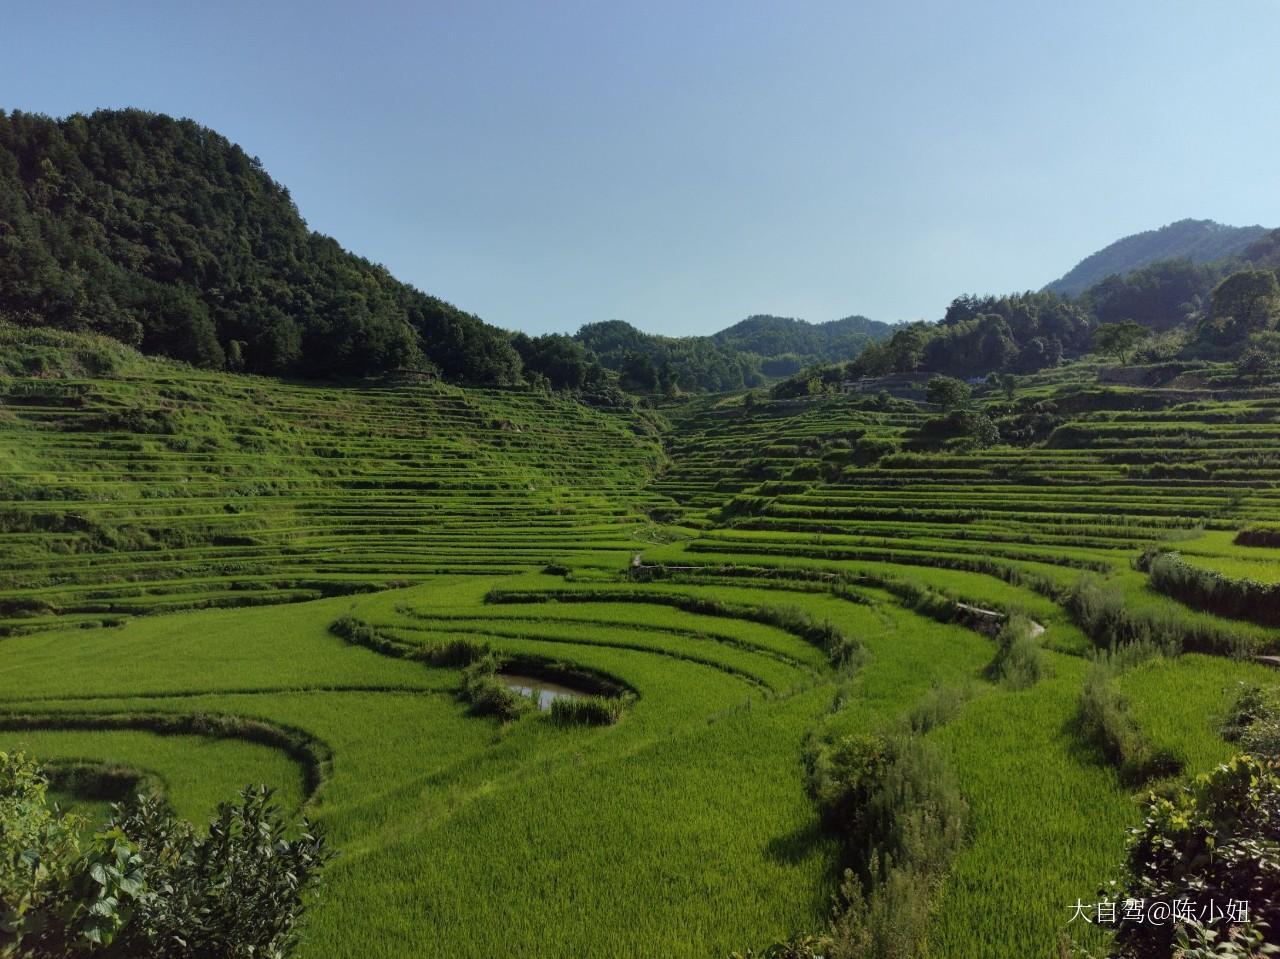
x=175 y=547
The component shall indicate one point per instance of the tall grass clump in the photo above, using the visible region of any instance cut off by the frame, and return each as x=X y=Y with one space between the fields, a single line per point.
x=937 y=707
x=586 y=710
x=898 y=810
x=1106 y=721
x=1099 y=610
x=487 y=694
x=1019 y=662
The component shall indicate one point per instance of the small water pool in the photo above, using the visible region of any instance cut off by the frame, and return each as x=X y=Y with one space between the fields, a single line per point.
x=541 y=690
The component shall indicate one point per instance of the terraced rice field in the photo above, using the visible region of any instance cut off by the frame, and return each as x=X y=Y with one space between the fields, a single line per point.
x=178 y=546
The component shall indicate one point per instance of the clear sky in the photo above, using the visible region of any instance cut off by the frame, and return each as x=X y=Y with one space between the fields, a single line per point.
x=683 y=165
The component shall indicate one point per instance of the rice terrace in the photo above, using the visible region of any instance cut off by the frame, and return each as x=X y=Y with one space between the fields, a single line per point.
x=337 y=622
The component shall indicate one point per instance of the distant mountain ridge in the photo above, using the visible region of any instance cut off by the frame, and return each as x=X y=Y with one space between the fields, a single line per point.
x=1200 y=241
x=743 y=355
x=767 y=335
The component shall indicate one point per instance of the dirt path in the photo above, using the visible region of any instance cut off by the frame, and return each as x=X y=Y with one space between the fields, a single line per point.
x=1037 y=629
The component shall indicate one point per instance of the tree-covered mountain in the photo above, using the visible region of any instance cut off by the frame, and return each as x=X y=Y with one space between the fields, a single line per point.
x=1199 y=241
x=786 y=344
x=646 y=362
x=165 y=235
x=739 y=356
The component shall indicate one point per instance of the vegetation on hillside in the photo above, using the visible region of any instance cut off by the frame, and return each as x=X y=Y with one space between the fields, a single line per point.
x=1194 y=241
x=164 y=235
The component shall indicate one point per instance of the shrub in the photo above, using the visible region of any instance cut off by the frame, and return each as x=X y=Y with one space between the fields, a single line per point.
x=899 y=810
x=842 y=777
x=1259 y=534
x=1105 y=720
x=1216 y=840
x=937 y=707
x=486 y=693
x=149 y=884
x=1019 y=662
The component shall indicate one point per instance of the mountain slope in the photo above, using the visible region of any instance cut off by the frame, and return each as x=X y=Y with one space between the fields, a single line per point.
x=1200 y=241
x=738 y=356
x=168 y=237
x=771 y=336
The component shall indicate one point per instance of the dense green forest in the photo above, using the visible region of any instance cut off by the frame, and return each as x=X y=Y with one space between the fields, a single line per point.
x=1170 y=310
x=1200 y=241
x=746 y=354
x=166 y=236
x=785 y=344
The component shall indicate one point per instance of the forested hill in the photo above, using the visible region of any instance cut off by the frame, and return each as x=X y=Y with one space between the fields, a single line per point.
x=781 y=337
x=1200 y=241
x=743 y=355
x=165 y=235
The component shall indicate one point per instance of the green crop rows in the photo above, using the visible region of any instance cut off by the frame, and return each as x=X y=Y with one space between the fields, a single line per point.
x=176 y=548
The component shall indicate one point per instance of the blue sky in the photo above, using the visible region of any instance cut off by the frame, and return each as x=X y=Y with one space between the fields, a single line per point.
x=683 y=165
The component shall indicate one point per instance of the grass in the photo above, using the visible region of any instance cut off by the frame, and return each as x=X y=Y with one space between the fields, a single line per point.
x=326 y=562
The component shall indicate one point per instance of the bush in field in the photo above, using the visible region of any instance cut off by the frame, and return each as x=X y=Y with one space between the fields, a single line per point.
x=1253 y=721
x=899 y=811
x=1099 y=610
x=149 y=884
x=487 y=695
x=1106 y=721
x=842 y=777
x=1259 y=534
x=1019 y=662
x=937 y=707
x=947 y=392
x=1216 y=841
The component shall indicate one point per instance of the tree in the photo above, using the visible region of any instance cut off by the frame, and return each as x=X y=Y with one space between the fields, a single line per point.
x=1008 y=385
x=947 y=392
x=1244 y=303
x=1255 y=364
x=165 y=235
x=1118 y=339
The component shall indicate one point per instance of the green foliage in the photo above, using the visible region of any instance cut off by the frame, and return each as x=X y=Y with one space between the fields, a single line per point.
x=1210 y=590
x=898 y=808
x=163 y=235
x=1186 y=241
x=648 y=363
x=842 y=777
x=1118 y=339
x=1106 y=721
x=1156 y=296
x=1019 y=661
x=1245 y=303
x=801 y=946
x=488 y=695
x=1101 y=612
x=148 y=884
x=947 y=392
x=1217 y=840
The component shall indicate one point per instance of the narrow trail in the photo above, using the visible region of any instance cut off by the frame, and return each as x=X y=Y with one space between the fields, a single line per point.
x=1037 y=629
